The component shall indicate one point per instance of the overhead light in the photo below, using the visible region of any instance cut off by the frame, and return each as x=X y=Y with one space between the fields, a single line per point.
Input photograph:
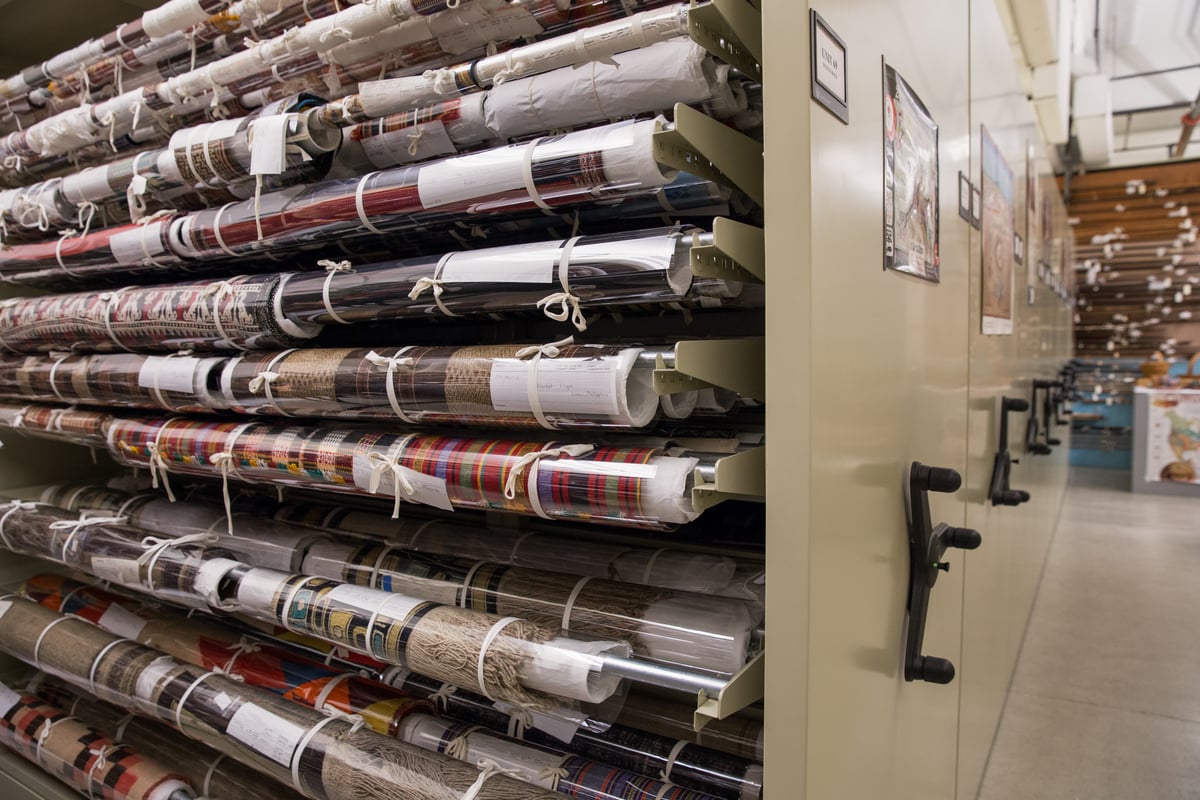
x=1161 y=192
x=1178 y=213
x=1119 y=207
x=1185 y=315
x=1170 y=204
x=1187 y=290
x=1161 y=252
x=1177 y=259
x=1178 y=298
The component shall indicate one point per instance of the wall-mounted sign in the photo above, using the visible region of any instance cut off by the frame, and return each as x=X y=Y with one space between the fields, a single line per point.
x=910 y=181
x=830 y=83
x=998 y=234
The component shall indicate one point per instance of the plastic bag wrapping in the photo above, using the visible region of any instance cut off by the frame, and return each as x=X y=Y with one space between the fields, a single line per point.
x=666 y=567
x=391 y=709
x=326 y=759
x=636 y=82
x=611 y=161
x=595 y=42
x=81 y=757
x=740 y=735
x=235 y=314
x=508 y=659
x=88 y=428
x=570 y=386
x=691 y=631
x=128 y=380
x=649 y=266
x=630 y=486
x=212 y=773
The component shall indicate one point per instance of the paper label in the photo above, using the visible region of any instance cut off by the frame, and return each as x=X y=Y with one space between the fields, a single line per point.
x=830 y=64
x=502 y=265
x=428 y=490
x=125 y=571
x=575 y=386
x=265 y=733
x=8 y=700
x=562 y=729
x=222 y=701
x=140 y=244
x=122 y=622
x=268 y=145
x=471 y=177
x=418 y=143
x=5 y=605
x=176 y=374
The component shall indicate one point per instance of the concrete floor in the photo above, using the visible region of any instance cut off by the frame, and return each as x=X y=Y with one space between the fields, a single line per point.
x=1105 y=702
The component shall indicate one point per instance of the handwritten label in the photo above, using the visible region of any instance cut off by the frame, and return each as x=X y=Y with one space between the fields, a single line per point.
x=169 y=374
x=428 y=490
x=576 y=386
x=265 y=733
x=122 y=622
x=118 y=570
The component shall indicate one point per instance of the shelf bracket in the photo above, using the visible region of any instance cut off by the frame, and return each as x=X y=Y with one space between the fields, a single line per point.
x=744 y=688
x=700 y=145
x=738 y=365
x=731 y=30
x=740 y=476
x=738 y=253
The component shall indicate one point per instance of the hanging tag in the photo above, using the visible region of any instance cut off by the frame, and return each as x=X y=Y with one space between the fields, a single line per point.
x=139 y=184
x=268 y=145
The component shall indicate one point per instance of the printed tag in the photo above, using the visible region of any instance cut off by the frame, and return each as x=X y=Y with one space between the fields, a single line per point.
x=169 y=374
x=122 y=622
x=574 y=386
x=5 y=605
x=124 y=571
x=428 y=490
x=265 y=733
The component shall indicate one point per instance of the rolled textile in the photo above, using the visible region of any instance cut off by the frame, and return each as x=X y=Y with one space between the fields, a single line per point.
x=561 y=385
x=666 y=567
x=649 y=266
x=629 y=486
x=393 y=711
x=81 y=757
x=683 y=629
x=641 y=81
x=324 y=758
x=214 y=774
x=88 y=428
x=506 y=658
x=238 y=313
x=741 y=734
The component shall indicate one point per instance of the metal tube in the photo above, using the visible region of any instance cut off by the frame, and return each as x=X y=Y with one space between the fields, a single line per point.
x=664 y=677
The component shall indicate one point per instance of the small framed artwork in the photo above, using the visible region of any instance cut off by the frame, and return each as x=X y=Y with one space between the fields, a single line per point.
x=830 y=83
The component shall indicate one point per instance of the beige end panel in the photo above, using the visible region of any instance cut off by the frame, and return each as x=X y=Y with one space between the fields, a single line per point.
x=886 y=384
x=788 y=343
x=1001 y=577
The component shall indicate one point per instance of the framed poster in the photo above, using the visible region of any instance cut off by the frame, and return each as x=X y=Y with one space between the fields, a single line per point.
x=1173 y=438
x=1030 y=216
x=910 y=181
x=997 y=226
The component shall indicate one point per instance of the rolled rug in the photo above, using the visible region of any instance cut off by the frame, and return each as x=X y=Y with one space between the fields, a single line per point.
x=325 y=758
x=81 y=757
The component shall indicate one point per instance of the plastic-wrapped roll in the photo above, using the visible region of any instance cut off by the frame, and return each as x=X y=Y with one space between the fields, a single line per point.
x=505 y=658
x=650 y=266
x=741 y=734
x=679 y=405
x=89 y=428
x=694 y=631
x=81 y=757
x=118 y=379
x=630 y=486
x=326 y=759
x=570 y=386
x=84 y=497
x=611 y=161
x=235 y=314
x=213 y=774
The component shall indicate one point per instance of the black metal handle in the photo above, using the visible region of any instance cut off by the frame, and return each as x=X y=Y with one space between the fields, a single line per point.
x=999 y=491
x=927 y=544
x=1033 y=427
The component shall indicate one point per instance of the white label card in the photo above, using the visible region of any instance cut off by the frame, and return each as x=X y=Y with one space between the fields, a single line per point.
x=176 y=374
x=8 y=700
x=139 y=244
x=125 y=571
x=428 y=490
x=421 y=142
x=575 y=386
x=122 y=622
x=265 y=733
x=831 y=68
x=502 y=265
x=5 y=605
x=471 y=177
x=268 y=145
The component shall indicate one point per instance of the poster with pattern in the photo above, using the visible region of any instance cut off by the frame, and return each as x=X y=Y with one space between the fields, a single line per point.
x=910 y=181
x=1173 y=437
x=998 y=261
